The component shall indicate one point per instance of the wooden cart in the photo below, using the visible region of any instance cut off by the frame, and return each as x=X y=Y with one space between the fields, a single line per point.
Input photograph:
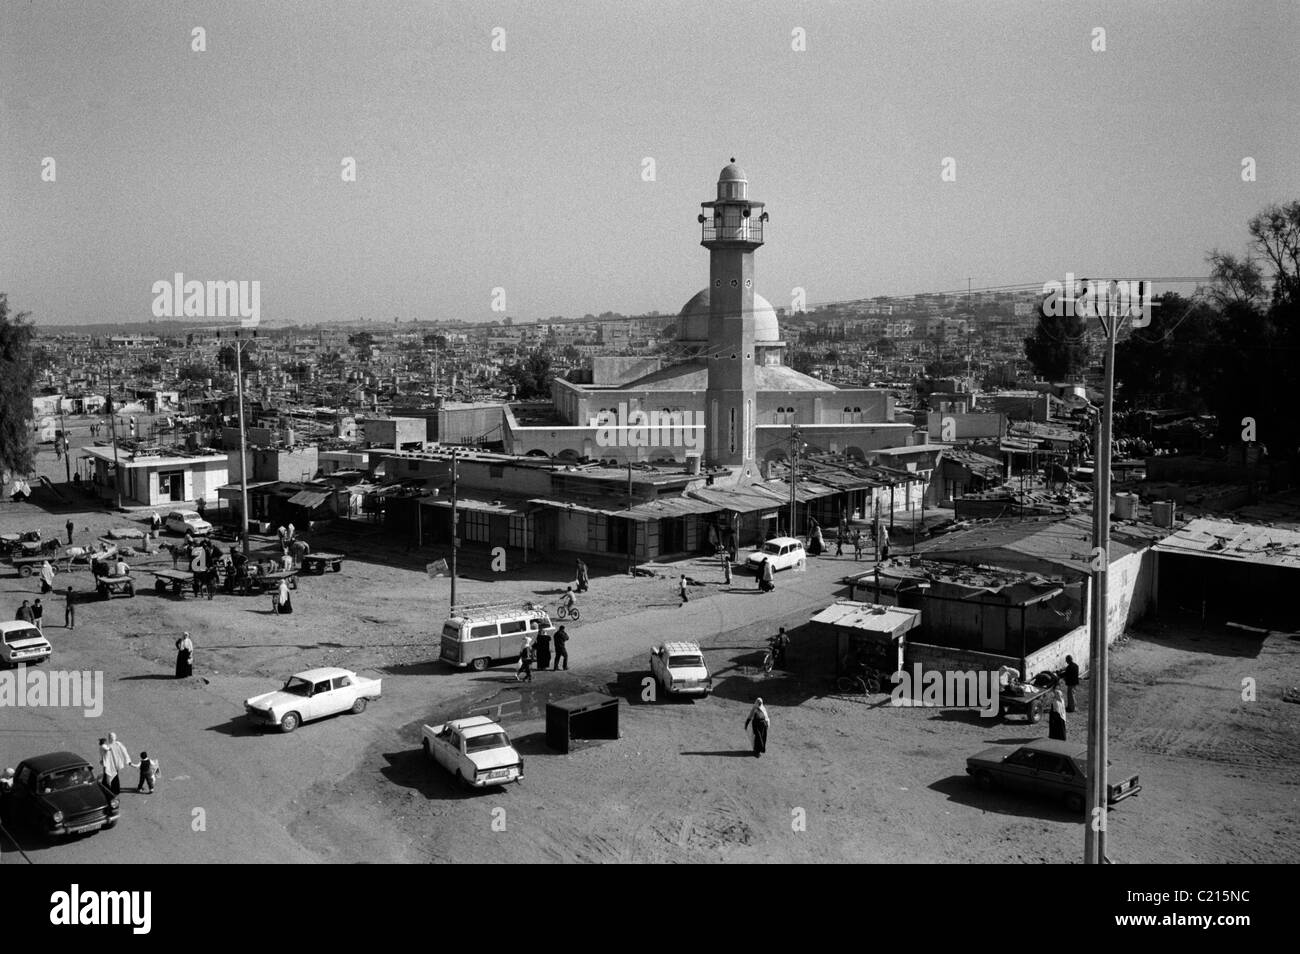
x=175 y=580
x=316 y=563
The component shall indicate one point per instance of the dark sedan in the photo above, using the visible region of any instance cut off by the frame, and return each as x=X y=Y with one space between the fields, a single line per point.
x=60 y=794
x=1047 y=767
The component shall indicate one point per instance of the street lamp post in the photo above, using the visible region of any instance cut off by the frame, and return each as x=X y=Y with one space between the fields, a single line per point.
x=243 y=445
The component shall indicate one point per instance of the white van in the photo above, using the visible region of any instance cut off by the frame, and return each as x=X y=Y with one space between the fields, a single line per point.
x=476 y=639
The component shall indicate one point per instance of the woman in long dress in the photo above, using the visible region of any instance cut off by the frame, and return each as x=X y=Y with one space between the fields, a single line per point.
x=759 y=721
x=285 y=605
x=1056 y=721
x=184 y=657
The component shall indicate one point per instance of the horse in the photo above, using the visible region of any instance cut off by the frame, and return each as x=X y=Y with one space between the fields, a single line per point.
x=76 y=553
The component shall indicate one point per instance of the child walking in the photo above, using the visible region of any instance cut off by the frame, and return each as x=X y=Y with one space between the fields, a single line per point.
x=148 y=772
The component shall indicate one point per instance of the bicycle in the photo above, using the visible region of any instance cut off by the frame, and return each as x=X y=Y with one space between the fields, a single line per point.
x=859 y=678
x=567 y=612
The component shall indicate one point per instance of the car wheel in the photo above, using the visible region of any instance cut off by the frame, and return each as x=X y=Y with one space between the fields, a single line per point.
x=984 y=780
x=24 y=571
x=478 y=665
x=1074 y=802
x=359 y=706
x=1035 y=714
x=290 y=722
x=872 y=683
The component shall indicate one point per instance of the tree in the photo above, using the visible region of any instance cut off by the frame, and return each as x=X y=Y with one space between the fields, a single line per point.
x=194 y=372
x=364 y=343
x=226 y=358
x=1275 y=234
x=1234 y=279
x=17 y=378
x=531 y=376
x=1058 y=348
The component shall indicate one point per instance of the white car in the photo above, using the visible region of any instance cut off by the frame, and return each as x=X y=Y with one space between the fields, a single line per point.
x=476 y=750
x=22 y=643
x=680 y=670
x=312 y=694
x=784 y=552
x=186 y=521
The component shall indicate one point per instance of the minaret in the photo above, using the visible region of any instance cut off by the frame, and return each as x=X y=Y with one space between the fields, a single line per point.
x=732 y=228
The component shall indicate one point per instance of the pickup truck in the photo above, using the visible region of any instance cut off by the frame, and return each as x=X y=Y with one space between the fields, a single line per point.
x=312 y=694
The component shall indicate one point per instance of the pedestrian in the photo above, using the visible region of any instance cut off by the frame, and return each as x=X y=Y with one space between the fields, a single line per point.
x=111 y=781
x=38 y=615
x=759 y=720
x=201 y=505
x=884 y=548
x=839 y=542
x=582 y=577
x=857 y=546
x=148 y=773
x=726 y=572
x=184 y=657
x=543 y=650
x=779 y=645
x=768 y=585
x=68 y=525
x=121 y=757
x=283 y=535
x=47 y=577
x=289 y=537
x=524 y=672
x=561 y=648
x=155 y=522
x=24 y=612
x=1071 y=677
x=284 y=603
x=1057 y=722
x=69 y=611
x=681 y=590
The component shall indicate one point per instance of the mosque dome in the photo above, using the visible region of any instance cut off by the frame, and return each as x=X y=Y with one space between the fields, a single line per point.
x=693 y=328
x=732 y=173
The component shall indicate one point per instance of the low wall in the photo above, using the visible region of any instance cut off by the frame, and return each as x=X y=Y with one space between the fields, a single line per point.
x=947 y=659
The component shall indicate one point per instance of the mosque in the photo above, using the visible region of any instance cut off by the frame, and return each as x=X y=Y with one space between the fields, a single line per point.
x=724 y=400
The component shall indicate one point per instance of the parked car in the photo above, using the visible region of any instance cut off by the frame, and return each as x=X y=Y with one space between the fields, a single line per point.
x=784 y=552
x=312 y=694
x=59 y=794
x=680 y=670
x=187 y=521
x=476 y=750
x=479 y=638
x=1047 y=767
x=21 y=642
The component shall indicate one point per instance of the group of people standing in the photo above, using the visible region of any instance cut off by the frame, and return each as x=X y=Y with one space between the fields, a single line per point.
x=538 y=652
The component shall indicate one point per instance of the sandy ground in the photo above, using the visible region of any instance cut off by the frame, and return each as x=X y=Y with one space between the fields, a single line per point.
x=846 y=778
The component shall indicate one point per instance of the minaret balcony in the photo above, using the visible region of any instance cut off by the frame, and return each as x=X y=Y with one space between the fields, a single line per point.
x=746 y=230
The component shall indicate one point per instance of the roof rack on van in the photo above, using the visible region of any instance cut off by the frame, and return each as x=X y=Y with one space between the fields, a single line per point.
x=470 y=610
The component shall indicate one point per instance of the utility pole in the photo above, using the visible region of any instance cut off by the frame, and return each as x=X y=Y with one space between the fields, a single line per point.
x=455 y=531
x=794 y=479
x=67 y=445
x=631 y=524
x=243 y=445
x=112 y=423
x=1094 y=851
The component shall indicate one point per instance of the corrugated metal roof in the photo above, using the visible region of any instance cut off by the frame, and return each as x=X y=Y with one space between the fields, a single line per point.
x=309 y=499
x=1242 y=543
x=887 y=620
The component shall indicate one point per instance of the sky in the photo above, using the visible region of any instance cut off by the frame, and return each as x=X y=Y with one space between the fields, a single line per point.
x=524 y=168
